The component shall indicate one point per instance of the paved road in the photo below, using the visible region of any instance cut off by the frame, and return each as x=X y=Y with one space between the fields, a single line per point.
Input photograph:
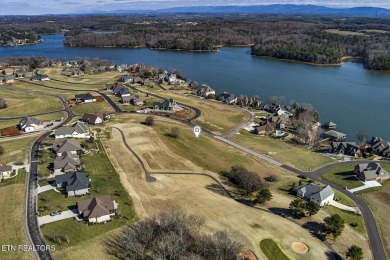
x=238 y=128
x=31 y=224
x=64 y=215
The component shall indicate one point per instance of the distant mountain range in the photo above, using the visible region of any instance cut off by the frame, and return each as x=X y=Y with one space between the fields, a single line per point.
x=287 y=9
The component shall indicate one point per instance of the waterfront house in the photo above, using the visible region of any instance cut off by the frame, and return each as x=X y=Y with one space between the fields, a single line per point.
x=334 y=135
x=29 y=124
x=371 y=172
x=312 y=192
x=126 y=79
x=98 y=209
x=146 y=82
x=227 y=98
x=167 y=105
x=329 y=125
x=203 y=91
x=75 y=184
x=347 y=148
x=380 y=147
x=266 y=128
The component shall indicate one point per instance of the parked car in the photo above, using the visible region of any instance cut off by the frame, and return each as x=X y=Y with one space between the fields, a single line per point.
x=56 y=213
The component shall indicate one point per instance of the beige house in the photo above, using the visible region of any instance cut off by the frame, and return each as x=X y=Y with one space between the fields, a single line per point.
x=98 y=209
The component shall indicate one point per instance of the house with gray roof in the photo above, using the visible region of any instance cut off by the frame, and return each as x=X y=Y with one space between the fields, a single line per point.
x=329 y=125
x=371 y=172
x=312 y=192
x=334 y=135
x=380 y=147
x=98 y=209
x=85 y=98
x=5 y=170
x=69 y=145
x=126 y=79
x=78 y=130
x=29 y=124
x=121 y=92
x=75 y=184
x=67 y=162
x=347 y=148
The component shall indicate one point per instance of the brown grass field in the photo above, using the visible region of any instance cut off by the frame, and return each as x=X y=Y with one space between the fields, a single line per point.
x=15 y=149
x=11 y=224
x=190 y=192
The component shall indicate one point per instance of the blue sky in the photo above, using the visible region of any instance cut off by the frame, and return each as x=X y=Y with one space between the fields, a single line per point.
x=78 y=6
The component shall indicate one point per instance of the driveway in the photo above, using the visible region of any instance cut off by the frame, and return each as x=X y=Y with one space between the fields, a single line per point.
x=17 y=167
x=367 y=185
x=46 y=188
x=64 y=215
x=344 y=207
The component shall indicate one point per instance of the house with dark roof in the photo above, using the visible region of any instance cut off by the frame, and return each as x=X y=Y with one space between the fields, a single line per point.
x=96 y=118
x=334 y=135
x=312 y=192
x=75 y=184
x=98 y=209
x=69 y=145
x=203 y=91
x=266 y=128
x=121 y=92
x=29 y=124
x=41 y=77
x=126 y=79
x=5 y=170
x=85 y=98
x=66 y=162
x=227 y=98
x=167 y=105
x=380 y=147
x=371 y=172
x=78 y=130
x=134 y=100
x=9 y=79
x=329 y=125
x=347 y=148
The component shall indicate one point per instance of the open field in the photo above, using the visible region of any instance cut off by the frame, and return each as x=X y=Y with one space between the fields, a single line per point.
x=29 y=87
x=296 y=156
x=21 y=105
x=211 y=118
x=72 y=87
x=343 y=176
x=16 y=149
x=105 y=180
x=379 y=203
x=272 y=250
x=337 y=31
x=92 y=108
x=11 y=224
x=189 y=193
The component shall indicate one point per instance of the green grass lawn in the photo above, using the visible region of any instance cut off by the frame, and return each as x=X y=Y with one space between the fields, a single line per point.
x=19 y=179
x=271 y=250
x=296 y=156
x=104 y=180
x=343 y=176
x=92 y=108
x=22 y=105
x=131 y=108
x=349 y=217
x=14 y=122
x=32 y=88
x=16 y=149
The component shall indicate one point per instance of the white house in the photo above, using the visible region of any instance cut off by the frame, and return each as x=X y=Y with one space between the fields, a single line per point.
x=98 y=209
x=29 y=124
x=321 y=196
x=5 y=170
x=78 y=130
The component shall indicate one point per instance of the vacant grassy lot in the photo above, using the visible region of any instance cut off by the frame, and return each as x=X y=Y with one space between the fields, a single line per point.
x=11 y=224
x=22 y=105
x=16 y=149
x=296 y=156
x=343 y=176
x=378 y=199
x=105 y=180
x=216 y=117
x=27 y=86
x=272 y=250
x=92 y=108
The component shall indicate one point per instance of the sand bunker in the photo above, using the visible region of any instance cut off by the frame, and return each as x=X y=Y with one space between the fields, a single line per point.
x=300 y=248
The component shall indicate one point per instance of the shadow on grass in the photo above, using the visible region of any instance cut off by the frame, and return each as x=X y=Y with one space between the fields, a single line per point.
x=315 y=229
x=282 y=212
x=332 y=255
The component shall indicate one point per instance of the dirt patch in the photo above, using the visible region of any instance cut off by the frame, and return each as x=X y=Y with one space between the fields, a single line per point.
x=383 y=196
x=247 y=254
x=10 y=131
x=299 y=247
x=99 y=99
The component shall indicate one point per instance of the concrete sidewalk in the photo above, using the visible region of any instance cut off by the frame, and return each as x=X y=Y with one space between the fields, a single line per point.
x=344 y=207
x=64 y=215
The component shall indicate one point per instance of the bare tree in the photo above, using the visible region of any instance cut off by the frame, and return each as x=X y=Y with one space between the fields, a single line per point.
x=244 y=179
x=175 y=132
x=362 y=136
x=149 y=120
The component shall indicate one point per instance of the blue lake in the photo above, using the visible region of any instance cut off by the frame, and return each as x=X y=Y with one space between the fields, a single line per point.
x=354 y=98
